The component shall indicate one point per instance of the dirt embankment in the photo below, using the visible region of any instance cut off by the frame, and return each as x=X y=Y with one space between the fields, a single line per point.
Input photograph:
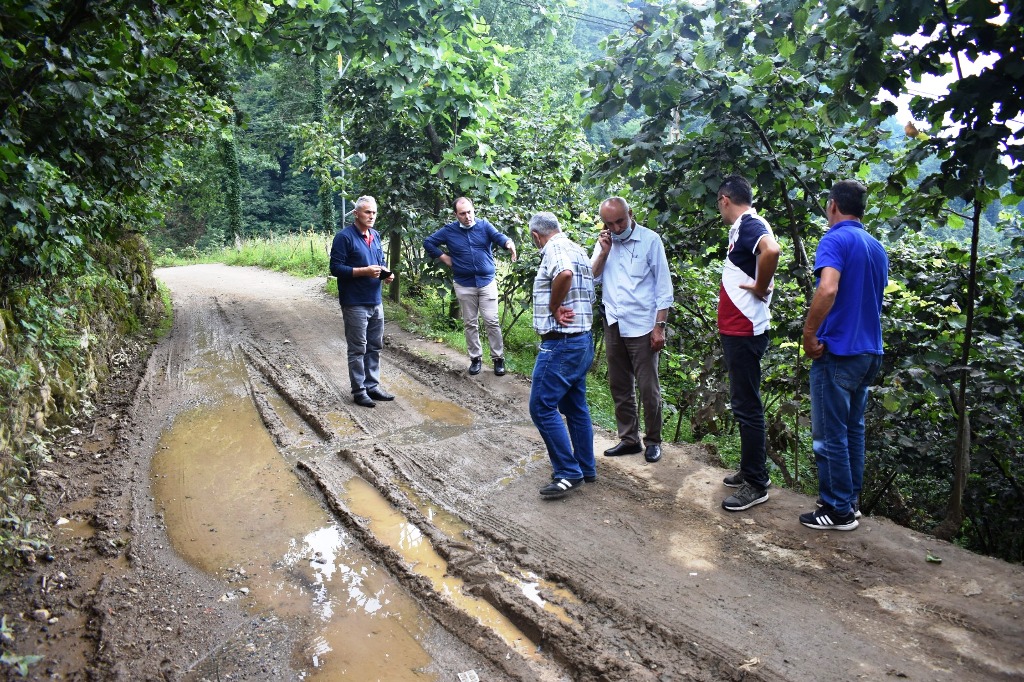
x=640 y=576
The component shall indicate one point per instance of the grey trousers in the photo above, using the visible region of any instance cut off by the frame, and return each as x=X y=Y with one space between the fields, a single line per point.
x=364 y=333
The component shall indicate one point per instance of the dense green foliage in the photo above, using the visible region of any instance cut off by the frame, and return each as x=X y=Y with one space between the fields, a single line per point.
x=762 y=91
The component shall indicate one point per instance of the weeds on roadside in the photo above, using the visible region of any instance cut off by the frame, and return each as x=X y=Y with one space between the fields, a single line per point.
x=19 y=662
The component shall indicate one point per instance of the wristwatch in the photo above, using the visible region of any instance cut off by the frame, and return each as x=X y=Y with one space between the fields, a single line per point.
x=662 y=324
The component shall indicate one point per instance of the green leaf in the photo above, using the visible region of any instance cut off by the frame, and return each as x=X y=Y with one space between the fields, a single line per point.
x=762 y=71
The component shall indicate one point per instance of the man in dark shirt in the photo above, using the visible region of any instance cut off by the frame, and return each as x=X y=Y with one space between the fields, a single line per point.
x=469 y=241
x=357 y=260
x=743 y=317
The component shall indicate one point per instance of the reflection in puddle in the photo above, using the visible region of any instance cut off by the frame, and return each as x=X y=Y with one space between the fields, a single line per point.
x=529 y=583
x=434 y=411
x=452 y=526
x=229 y=499
x=75 y=527
x=387 y=524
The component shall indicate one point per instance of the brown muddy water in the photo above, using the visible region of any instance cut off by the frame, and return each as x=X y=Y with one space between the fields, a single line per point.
x=234 y=507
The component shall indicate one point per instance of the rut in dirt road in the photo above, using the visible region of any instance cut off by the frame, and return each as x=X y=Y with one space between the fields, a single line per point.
x=637 y=576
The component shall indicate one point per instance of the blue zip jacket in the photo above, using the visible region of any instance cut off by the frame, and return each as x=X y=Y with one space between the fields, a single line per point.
x=349 y=251
x=470 y=250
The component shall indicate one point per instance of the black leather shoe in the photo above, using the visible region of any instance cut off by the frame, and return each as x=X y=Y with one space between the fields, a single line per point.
x=499 y=367
x=379 y=394
x=363 y=400
x=623 y=449
x=475 y=365
x=653 y=452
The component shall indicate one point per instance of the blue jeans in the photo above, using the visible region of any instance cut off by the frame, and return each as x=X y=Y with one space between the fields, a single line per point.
x=560 y=386
x=743 y=360
x=364 y=333
x=839 y=397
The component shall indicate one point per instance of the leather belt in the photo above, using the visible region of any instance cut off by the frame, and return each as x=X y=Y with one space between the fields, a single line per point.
x=557 y=336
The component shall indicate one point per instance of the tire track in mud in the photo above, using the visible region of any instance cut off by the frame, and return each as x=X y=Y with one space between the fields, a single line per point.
x=502 y=415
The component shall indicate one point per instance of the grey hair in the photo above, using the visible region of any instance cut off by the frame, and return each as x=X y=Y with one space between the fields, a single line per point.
x=363 y=201
x=544 y=223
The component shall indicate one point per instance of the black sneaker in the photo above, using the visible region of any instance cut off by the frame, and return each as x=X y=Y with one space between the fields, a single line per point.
x=560 y=488
x=826 y=518
x=499 y=367
x=736 y=481
x=475 y=365
x=745 y=498
x=856 y=507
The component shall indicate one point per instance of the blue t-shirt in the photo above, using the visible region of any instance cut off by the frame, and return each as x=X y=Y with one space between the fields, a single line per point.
x=854 y=324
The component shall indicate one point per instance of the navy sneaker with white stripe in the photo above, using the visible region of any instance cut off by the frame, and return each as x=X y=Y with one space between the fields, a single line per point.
x=826 y=518
x=560 y=488
x=855 y=504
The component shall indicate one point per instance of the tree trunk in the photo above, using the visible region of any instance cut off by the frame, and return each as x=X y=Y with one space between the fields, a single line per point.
x=395 y=261
x=326 y=194
x=950 y=526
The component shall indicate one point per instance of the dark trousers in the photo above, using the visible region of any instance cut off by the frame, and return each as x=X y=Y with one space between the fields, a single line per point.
x=743 y=359
x=633 y=365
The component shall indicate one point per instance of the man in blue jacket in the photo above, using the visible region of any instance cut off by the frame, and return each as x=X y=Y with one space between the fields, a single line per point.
x=469 y=241
x=357 y=260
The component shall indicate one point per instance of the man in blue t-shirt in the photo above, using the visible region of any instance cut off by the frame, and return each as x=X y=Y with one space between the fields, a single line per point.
x=357 y=260
x=469 y=241
x=843 y=336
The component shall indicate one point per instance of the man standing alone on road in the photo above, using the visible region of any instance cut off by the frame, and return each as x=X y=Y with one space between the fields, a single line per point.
x=636 y=294
x=743 y=315
x=469 y=241
x=563 y=313
x=843 y=336
x=357 y=260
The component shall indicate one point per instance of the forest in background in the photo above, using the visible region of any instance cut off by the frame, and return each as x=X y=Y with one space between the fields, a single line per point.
x=203 y=124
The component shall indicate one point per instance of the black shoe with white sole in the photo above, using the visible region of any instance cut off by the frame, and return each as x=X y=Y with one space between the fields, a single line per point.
x=745 y=498
x=826 y=518
x=560 y=488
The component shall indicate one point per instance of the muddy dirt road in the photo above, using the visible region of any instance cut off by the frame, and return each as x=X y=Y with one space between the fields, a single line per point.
x=237 y=517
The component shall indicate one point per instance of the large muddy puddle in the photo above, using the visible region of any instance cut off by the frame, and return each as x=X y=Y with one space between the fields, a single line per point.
x=234 y=507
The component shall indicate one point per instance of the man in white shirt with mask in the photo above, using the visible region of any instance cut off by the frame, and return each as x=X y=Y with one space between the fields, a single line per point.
x=630 y=264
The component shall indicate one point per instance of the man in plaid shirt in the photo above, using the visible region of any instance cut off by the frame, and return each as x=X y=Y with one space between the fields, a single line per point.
x=563 y=313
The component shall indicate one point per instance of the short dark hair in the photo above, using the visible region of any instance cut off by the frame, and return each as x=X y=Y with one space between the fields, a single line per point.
x=850 y=197
x=455 y=204
x=737 y=188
